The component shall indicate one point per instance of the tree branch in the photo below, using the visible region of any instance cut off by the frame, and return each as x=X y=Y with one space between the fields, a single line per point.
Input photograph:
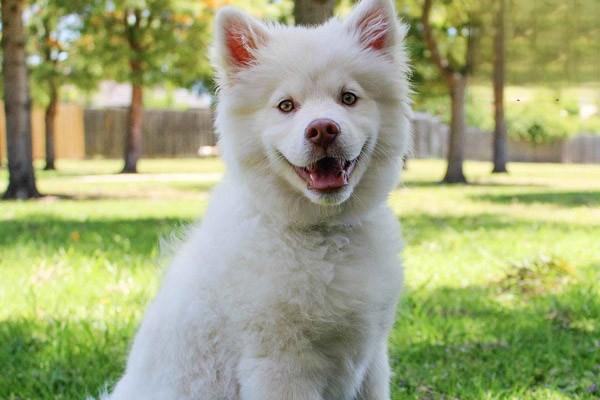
x=471 y=46
x=149 y=20
x=431 y=43
x=131 y=32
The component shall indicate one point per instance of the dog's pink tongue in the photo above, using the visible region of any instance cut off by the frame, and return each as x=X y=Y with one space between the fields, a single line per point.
x=327 y=181
x=328 y=175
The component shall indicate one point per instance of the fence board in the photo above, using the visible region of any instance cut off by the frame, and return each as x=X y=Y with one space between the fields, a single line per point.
x=166 y=133
x=69 y=141
x=170 y=133
x=430 y=138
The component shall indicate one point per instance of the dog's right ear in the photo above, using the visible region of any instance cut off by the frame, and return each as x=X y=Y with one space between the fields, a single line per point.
x=375 y=24
x=237 y=37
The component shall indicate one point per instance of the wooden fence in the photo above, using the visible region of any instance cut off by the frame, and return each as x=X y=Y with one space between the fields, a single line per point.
x=430 y=140
x=69 y=140
x=169 y=133
x=584 y=148
x=166 y=133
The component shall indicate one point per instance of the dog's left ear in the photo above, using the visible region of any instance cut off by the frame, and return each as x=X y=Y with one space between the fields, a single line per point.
x=375 y=25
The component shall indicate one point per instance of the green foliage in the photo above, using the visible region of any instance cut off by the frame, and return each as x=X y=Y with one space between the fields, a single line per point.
x=55 y=59
x=590 y=125
x=149 y=42
x=543 y=115
x=534 y=114
x=478 y=112
x=269 y=10
x=550 y=43
x=455 y=24
x=553 y=41
x=92 y=263
x=539 y=122
x=425 y=76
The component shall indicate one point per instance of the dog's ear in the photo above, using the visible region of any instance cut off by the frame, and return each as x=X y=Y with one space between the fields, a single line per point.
x=375 y=24
x=237 y=37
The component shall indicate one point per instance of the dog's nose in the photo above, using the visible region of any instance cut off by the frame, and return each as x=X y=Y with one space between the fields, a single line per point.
x=322 y=132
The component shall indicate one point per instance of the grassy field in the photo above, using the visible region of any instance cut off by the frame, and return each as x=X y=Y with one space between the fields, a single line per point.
x=503 y=278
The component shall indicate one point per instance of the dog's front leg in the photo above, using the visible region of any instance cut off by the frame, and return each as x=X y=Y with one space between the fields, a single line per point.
x=281 y=377
x=376 y=385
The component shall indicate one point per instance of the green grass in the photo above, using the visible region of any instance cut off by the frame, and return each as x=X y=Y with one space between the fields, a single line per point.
x=502 y=293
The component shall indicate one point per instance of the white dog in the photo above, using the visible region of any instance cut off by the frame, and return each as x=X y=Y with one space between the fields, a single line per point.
x=287 y=290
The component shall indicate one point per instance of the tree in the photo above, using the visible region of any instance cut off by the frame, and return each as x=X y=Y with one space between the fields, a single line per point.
x=312 y=12
x=49 y=54
x=54 y=41
x=50 y=124
x=500 y=145
x=46 y=71
x=553 y=41
x=455 y=72
x=17 y=104
x=147 y=42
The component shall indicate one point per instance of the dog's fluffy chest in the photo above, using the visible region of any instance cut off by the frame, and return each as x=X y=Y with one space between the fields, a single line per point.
x=312 y=277
x=317 y=284
x=242 y=288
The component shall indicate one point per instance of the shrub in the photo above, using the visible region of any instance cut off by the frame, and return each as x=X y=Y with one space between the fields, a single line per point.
x=539 y=121
x=534 y=115
x=590 y=125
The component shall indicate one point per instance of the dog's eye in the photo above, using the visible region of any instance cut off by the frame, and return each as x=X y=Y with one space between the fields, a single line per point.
x=349 y=98
x=286 y=106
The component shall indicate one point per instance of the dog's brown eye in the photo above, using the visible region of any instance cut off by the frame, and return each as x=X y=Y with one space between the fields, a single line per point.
x=286 y=106
x=349 y=98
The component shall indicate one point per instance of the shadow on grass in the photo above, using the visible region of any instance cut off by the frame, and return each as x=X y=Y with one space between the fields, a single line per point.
x=129 y=192
x=463 y=343
x=126 y=190
x=419 y=228
x=117 y=237
x=447 y=343
x=114 y=238
x=110 y=238
x=565 y=199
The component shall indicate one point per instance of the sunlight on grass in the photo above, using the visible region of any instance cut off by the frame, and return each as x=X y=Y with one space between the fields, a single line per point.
x=502 y=293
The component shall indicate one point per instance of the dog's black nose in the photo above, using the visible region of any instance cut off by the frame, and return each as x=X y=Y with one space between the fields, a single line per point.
x=322 y=132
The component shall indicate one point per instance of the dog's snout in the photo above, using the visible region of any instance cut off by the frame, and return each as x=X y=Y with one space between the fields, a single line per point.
x=322 y=132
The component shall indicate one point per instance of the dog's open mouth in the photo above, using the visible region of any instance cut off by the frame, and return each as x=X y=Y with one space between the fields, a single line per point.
x=328 y=174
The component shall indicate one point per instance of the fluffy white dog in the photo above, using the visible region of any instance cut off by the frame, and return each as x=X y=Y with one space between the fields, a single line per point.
x=287 y=290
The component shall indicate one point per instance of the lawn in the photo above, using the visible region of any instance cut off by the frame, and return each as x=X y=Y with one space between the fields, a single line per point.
x=502 y=295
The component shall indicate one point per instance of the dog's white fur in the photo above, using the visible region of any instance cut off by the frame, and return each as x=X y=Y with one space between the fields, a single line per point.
x=284 y=292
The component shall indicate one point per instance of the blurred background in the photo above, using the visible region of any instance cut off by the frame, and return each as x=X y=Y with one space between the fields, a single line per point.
x=107 y=127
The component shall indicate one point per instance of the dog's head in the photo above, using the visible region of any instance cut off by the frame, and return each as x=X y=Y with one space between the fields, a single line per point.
x=314 y=118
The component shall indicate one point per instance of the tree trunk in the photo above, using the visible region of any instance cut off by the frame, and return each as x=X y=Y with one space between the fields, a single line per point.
x=500 y=145
x=17 y=104
x=312 y=12
x=454 y=173
x=49 y=120
x=133 y=141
